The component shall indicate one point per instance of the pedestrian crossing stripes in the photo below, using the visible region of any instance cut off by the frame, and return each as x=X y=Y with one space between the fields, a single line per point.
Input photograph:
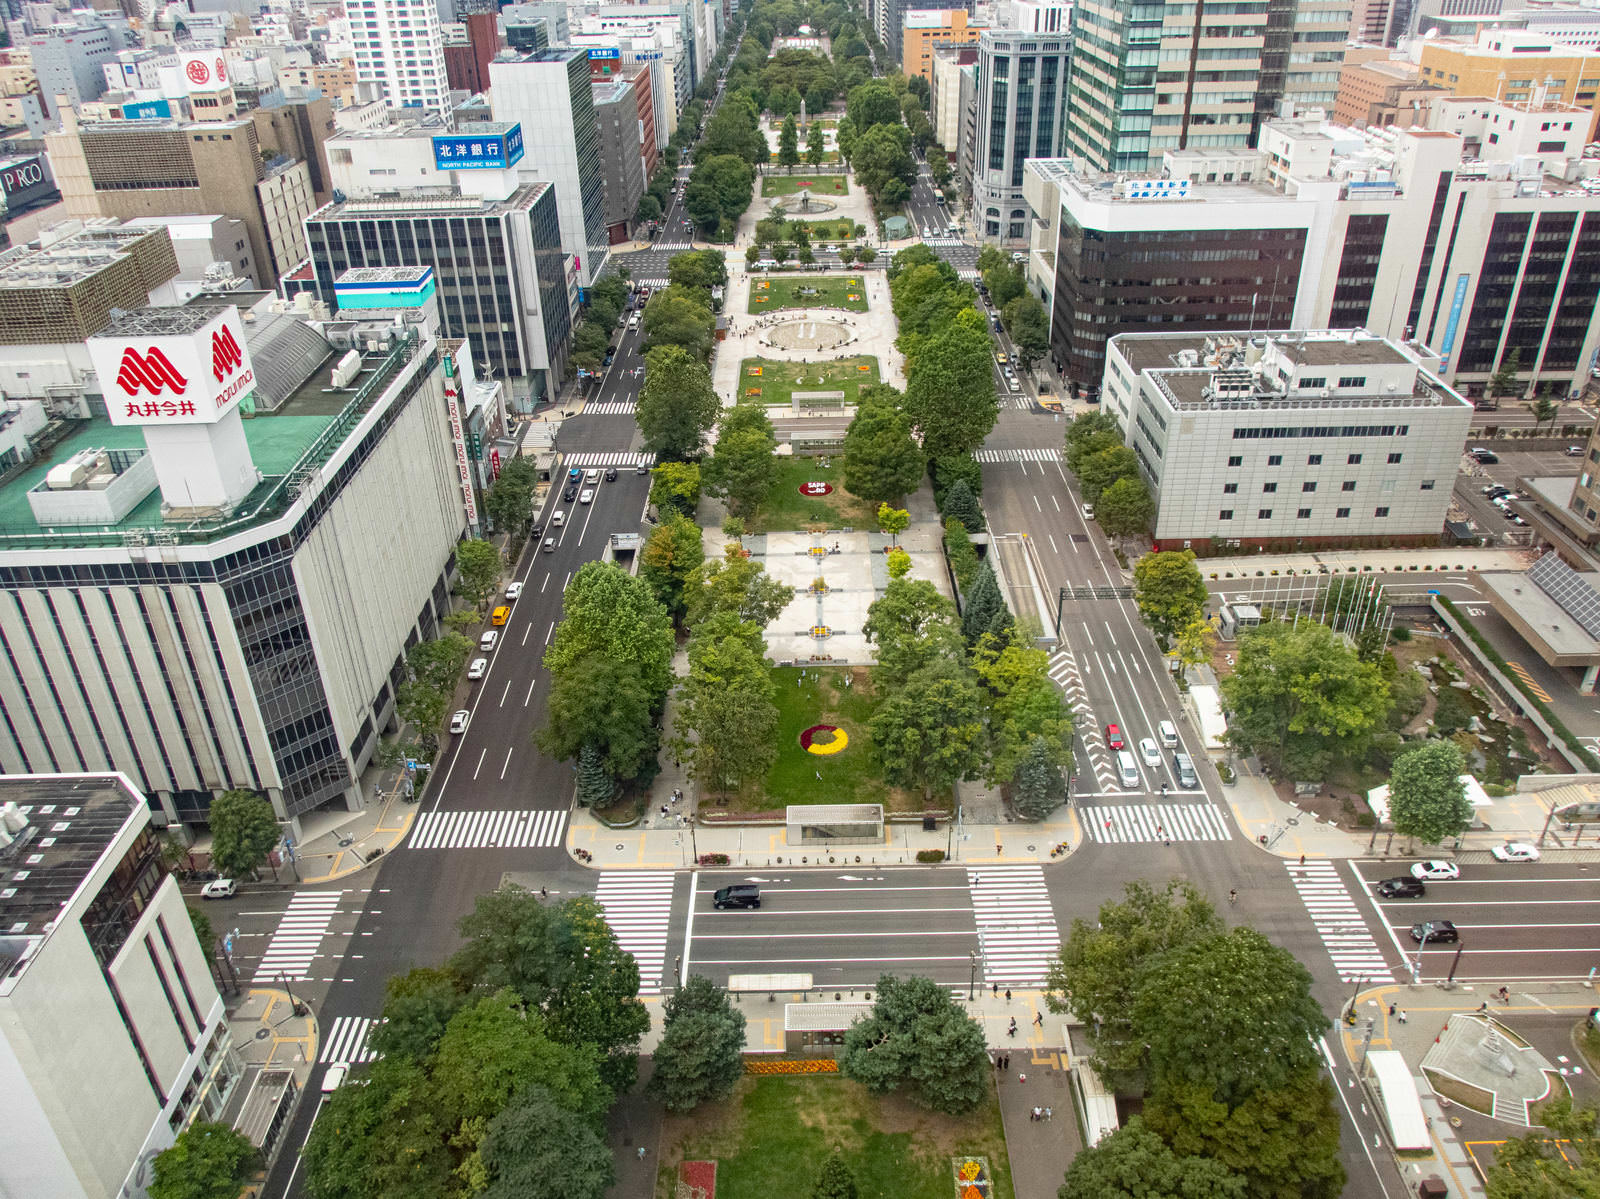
x=1344 y=933
x=1033 y=454
x=1017 y=933
x=638 y=905
x=623 y=458
x=652 y=283
x=347 y=1040
x=1148 y=822
x=672 y=246
x=969 y=275
x=610 y=408
x=502 y=829
x=943 y=243
x=300 y=931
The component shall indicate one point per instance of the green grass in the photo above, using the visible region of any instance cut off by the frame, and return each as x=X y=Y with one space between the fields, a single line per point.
x=778 y=381
x=786 y=509
x=849 y=776
x=832 y=291
x=824 y=183
x=770 y=1140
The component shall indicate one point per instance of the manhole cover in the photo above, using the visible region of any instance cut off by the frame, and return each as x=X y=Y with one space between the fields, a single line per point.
x=343 y=841
x=619 y=846
x=263 y=1033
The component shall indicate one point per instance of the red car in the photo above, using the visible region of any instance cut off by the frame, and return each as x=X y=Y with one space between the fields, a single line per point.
x=1114 y=737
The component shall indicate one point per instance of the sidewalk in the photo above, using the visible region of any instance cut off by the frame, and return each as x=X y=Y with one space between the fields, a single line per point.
x=346 y=842
x=1421 y=562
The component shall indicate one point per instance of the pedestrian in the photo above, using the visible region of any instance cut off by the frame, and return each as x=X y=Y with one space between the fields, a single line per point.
x=818 y=773
x=994 y=990
x=1302 y=859
x=1048 y=1114
x=543 y=894
x=1012 y=1031
x=1483 y=1008
x=1038 y=1113
x=1038 y=1019
x=1391 y=1010
x=1022 y=1078
x=1008 y=998
x=1401 y=1015
x=641 y=1153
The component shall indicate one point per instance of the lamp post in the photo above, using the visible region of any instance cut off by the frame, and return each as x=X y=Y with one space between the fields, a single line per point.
x=972 y=973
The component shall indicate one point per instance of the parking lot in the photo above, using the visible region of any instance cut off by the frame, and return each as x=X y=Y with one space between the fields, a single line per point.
x=1532 y=921
x=1513 y=464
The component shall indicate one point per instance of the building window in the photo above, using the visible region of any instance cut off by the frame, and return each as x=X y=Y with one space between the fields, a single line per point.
x=1394 y=459
x=1427 y=485
x=1308 y=487
x=1314 y=460
x=1236 y=460
x=1275 y=460
x=1303 y=514
x=1380 y=512
x=1263 y=513
x=1225 y=514
x=1353 y=460
x=1229 y=488
x=1352 y=381
x=1314 y=381
x=1348 y=485
x=1268 y=488
x=1342 y=513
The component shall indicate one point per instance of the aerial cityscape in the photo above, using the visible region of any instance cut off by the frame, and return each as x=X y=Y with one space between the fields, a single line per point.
x=733 y=599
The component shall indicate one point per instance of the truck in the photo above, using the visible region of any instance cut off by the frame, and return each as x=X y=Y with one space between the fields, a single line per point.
x=1208 y=711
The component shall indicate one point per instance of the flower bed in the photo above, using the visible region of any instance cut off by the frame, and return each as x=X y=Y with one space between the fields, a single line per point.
x=697 y=1180
x=820 y=1065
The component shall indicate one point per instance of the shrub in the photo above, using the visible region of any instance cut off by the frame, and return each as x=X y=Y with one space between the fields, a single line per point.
x=959 y=553
x=713 y=859
x=930 y=855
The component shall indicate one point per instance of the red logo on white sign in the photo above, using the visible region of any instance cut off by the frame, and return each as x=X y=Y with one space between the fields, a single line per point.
x=226 y=357
x=197 y=71
x=222 y=71
x=151 y=371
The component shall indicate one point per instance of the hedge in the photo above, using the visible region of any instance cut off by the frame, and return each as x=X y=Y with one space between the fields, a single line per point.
x=1583 y=754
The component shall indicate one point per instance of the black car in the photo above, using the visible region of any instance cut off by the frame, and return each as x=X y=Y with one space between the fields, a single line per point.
x=611 y=474
x=1402 y=888
x=1434 y=930
x=740 y=895
x=571 y=493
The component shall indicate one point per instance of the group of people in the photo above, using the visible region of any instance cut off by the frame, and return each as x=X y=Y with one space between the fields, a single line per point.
x=1041 y=1113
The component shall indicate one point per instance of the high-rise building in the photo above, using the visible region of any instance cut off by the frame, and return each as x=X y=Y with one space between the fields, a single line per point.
x=550 y=95
x=399 y=53
x=616 y=106
x=1516 y=67
x=101 y=978
x=68 y=60
x=469 y=44
x=1022 y=100
x=1147 y=78
x=924 y=30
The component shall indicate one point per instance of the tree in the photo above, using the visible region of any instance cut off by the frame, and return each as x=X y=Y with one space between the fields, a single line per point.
x=929 y=733
x=1099 y=470
x=611 y=614
x=1024 y=704
x=679 y=317
x=477 y=571
x=1230 y=1015
x=1169 y=591
x=244 y=830
x=881 y=160
x=1300 y=698
x=602 y=706
x=960 y=503
x=1545 y=411
x=676 y=485
x=1427 y=799
x=1039 y=787
x=509 y=500
x=872 y=104
x=834 y=1180
x=649 y=209
x=1195 y=642
x=1029 y=325
x=1125 y=508
x=596 y=787
x=668 y=559
x=1503 y=381
x=950 y=469
x=536 y=1149
x=916 y=1037
x=727 y=722
x=743 y=466
x=1135 y=1163
x=677 y=405
x=911 y=625
x=980 y=604
x=815 y=149
x=1560 y=1161
x=950 y=392
x=418 y=1006
x=882 y=461
x=899 y=563
x=788 y=144
x=1278 y=1141
x=701 y=1055
x=206 y=1161
x=736 y=585
x=893 y=521
x=939 y=166
x=1100 y=968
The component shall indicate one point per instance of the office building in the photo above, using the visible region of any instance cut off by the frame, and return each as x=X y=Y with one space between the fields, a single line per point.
x=926 y=29
x=131 y=169
x=498 y=265
x=68 y=60
x=1288 y=440
x=550 y=96
x=1516 y=67
x=661 y=52
x=616 y=106
x=191 y=598
x=469 y=44
x=399 y=53
x=892 y=15
x=1486 y=259
x=530 y=27
x=65 y=286
x=944 y=93
x=113 y=1036
x=296 y=124
x=1383 y=93
x=1021 y=109
x=1151 y=78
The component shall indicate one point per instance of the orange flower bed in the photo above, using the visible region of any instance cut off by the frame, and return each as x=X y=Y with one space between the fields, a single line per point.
x=823 y=1065
x=755 y=370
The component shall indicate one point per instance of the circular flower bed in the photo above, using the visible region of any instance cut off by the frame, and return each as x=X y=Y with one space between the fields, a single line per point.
x=824 y=739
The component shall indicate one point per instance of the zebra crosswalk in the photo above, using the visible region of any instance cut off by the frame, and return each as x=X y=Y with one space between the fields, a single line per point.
x=499 y=829
x=653 y=282
x=943 y=243
x=610 y=408
x=638 y=906
x=1017 y=933
x=1150 y=822
x=1344 y=933
x=618 y=458
x=298 y=936
x=347 y=1040
x=1032 y=454
x=971 y=276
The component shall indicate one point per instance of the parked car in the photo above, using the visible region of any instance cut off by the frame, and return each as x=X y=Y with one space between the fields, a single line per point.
x=1435 y=870
x=1515 y=851
x=458 y=722
x=1402 y=888
x=222 y=888
x=1574 y=451
x=1114 y=738
x=1484 y=455
x=479 y=668
x=1434 y=930
x=513 y=590
x=1494 y=491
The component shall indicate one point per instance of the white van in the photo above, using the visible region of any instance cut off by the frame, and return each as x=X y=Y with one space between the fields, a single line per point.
x=633 y=321
x=557 y=519
x=1127 y=769
x=486 y=642
x=1169 y=734
x=334 y=1077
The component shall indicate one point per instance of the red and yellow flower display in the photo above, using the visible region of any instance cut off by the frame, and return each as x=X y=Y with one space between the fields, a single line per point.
x=824 y=739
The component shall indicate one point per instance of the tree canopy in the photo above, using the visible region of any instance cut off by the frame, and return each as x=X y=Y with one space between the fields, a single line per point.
x=701 y=1055
x=1427 y=799
x=1169 y=591
x=677 y=405
x=917 y=1038
x=244 y=830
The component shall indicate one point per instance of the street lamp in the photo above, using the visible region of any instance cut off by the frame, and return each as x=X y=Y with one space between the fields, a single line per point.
x=972 y=974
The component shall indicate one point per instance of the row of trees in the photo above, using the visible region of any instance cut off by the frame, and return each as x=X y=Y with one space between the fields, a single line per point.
x=683 y=314
x=789 y=155
x=592 y=338
x=1108 y=475
x=1216 y=1029
x=1021 y=313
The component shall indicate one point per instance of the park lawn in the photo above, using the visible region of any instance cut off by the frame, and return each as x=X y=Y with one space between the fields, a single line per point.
x=831 y=291
x=778 y=381
x=785 y=509
x=771 y=1138
x=849 y=776
x=823 y=183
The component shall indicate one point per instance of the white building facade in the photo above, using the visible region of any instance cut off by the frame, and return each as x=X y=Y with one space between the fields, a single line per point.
x=399 y=53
